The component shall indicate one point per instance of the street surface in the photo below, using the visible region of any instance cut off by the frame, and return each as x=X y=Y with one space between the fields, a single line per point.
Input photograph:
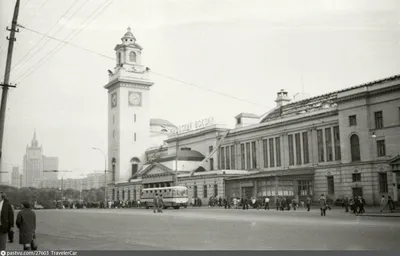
x=212 y=229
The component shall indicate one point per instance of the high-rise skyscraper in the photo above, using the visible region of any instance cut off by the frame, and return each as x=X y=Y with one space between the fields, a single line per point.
x=38 y=169
x=15 y=177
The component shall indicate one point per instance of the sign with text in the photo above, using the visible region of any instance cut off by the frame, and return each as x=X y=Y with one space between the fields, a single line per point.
x=192 y=126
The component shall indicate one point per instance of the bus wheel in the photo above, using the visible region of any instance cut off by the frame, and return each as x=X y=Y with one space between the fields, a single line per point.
x=176 y=207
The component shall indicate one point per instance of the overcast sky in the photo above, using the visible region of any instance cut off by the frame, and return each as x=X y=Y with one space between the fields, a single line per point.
x=247 y=49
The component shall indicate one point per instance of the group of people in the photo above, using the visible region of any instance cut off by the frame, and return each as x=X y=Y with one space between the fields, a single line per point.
x=25 y=222
x=158 y=203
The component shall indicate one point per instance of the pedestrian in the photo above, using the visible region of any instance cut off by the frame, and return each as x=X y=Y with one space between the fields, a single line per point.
x=26 y=223
x=346 y=203
x=361 y=205
x=11 y=232
x=6 y=220
x=288 y=201
x=160 y=204
x=308 y=202
x=356 y=205
x=294 y=204
x=278 y=203
x=266 y=203
x=322 y=205
x=390 y=204
x=383 y=203
x=155 y=201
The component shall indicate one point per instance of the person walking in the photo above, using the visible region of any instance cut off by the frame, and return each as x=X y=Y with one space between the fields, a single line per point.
x=322 y=205
x=266 y=203
x=390 y=204
x=308 y=202
x=155 y=201
x=346 y=203
x=6 y=220
x=26 y=223
x=160 y=204
x=278 y=203
x=383 y=204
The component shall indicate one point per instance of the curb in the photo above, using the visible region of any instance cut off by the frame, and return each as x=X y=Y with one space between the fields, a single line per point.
x=380 y=215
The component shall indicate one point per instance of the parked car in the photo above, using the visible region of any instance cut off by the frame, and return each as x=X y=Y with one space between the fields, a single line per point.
x=38 y=207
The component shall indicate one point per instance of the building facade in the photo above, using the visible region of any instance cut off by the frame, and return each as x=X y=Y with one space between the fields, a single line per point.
x=343 y=143
x=33 y=164
x=39 y=171
x=16 y=177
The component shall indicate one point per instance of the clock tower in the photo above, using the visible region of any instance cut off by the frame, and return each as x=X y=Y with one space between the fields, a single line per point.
x=128 y=111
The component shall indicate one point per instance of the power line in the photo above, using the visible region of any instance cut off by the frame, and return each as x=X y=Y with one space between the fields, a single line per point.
x=156 y=73
x=70 y=36
x=16 y=67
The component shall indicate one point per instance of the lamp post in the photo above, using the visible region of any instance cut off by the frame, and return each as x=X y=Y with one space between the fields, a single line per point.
x=105 y=175
x=177 y=152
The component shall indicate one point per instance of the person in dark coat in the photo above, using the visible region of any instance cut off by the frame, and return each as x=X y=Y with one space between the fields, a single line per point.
x=6 y=220
x=322 y=205
x=26 y=223
x=346 y=203
x=308 y=202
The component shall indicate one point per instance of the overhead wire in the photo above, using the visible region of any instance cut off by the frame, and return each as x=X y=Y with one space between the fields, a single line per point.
x=16 y=67
x=38 y=64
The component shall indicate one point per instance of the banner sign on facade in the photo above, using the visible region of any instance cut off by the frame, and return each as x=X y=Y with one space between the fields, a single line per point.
x=196 y=125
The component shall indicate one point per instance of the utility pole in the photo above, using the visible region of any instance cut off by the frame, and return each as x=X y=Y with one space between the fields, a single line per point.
x=6 y=84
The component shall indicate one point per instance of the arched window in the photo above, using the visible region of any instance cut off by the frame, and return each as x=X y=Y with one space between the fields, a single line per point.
x=355 y=148
x=132 y=57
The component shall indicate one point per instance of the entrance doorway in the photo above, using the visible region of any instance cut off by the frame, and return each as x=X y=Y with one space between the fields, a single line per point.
x=247 y=192
x=357 y=192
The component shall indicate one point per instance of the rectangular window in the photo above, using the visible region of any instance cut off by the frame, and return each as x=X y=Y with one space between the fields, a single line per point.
x=194 y=191
x=113 y=134
x=222 y=158
x=129 y=195
x=248 y=162
x=205 y=191
x=278 y=151
x=228 y=158
x=265 y=152
x=113 y=119
x=306 y=155
x=254 y=154
x=381 y=147
x=336 y=138
x=242 y=154
x=356 y=177
x=298 y=148
x=134 y=118
x=134 y=136
x=271 y=153
x=211 y=164
x=328 y=142
x=215 y=190
x=378 y=120
x=210 y=149
x=352 y=120
x=291 y=149
x=383 y=183
x=331 y=185
x=320 y=142
x=233 y=157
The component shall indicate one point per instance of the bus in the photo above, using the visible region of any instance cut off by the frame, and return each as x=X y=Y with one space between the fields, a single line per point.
x=175 y=197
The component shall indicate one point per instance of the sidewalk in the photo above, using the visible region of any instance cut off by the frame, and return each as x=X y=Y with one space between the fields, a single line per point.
x=370 y=211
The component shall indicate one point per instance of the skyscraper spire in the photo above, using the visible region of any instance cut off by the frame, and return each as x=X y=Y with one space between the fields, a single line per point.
x=34 y=140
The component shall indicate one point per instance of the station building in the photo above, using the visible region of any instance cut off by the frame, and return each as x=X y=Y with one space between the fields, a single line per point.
x=339 y=144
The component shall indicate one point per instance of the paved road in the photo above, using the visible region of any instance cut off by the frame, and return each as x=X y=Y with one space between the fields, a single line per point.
x=212 y=229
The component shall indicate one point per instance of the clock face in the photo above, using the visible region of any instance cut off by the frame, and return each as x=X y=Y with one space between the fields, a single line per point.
x=135 y=99
x=113 y=100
